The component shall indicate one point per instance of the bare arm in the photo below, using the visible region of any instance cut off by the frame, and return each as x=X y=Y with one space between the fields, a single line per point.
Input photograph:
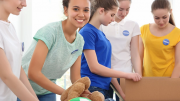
x=176 y=71
x=141 y=51
x=118 y=87
x=136 y=60
x=16 y=86
x=101 y=70
x=75 y=70
x=25 y=81
x=35 y=67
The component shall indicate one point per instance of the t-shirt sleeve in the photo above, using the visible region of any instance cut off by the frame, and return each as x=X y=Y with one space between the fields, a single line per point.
x=46 y=34
x=136 y=30
x=89 y=39
x=1 y=41
x=178 y=36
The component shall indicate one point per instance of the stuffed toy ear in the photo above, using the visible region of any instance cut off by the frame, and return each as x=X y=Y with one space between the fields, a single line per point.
x=96 y=96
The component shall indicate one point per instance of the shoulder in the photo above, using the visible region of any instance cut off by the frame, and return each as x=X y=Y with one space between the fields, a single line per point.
x=177 y=31
x=87 y=29
x=130 y=23
x=51 y=29
x=52 y=26
x=145 y=26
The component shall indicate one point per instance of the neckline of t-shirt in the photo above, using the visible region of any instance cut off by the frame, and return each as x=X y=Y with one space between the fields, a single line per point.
x=160 y=36
x=65 y=38
x=7 y=23
x=93 y=27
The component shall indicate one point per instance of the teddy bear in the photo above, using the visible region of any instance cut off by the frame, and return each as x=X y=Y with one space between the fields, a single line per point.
x=78 y=88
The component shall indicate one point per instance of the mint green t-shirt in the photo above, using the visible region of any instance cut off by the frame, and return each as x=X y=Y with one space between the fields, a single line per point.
x=61 y=55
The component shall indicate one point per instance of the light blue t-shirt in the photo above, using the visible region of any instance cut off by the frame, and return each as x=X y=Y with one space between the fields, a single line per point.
x=61 y=55
x=97 y=41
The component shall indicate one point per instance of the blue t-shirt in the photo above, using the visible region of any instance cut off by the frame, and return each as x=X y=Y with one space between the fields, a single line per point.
x=96 y=40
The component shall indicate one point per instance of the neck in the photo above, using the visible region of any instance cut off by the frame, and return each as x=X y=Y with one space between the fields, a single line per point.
x=118 y=20
x=3 y=14
x=68 y=28
x=95 y=22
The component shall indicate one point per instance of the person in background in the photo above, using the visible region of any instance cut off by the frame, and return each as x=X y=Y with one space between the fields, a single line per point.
x=13 y=80
x=96 y=57
x=159 y=43
x=124 y=37
x=55 y=48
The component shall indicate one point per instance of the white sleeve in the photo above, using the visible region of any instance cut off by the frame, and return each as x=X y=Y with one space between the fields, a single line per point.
x=136 y=30
x=1 y=41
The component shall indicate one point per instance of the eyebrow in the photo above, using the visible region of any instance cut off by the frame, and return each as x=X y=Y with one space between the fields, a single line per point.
x=163 y=16
x=79 y=7
x=123 y=8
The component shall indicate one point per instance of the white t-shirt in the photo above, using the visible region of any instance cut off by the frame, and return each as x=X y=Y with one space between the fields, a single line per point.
x=12 y=47
x=120 y=35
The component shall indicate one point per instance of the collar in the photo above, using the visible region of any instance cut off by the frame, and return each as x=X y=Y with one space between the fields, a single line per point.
x=120 y=23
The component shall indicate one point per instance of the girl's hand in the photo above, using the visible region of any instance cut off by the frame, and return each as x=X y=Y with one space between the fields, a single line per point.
x=134 y=76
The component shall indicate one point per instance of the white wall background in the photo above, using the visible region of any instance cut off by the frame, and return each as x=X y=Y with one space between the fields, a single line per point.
x=38 y=13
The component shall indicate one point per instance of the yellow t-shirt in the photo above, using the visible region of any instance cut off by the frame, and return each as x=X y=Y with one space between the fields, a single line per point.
x=159 y=52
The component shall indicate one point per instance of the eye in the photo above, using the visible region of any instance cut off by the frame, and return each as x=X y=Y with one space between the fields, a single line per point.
x=86 y=10
x=164 y=17
x=157 y=18
x=75 y=9
x=112 y=15
x=120 y=9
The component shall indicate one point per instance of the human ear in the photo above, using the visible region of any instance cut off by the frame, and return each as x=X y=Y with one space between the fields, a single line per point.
x=101 y=10
x=65 y=11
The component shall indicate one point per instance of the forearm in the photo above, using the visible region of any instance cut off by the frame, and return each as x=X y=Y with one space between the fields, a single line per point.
x=107 y=72
x=117 y=86
x=176 y=71
x=75 y=78
x=44 y=82
x=136 y=63
x=18 y=88
x=25 y=81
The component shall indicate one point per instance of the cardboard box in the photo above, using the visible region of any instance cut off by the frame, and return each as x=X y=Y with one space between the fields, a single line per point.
x=152 y=89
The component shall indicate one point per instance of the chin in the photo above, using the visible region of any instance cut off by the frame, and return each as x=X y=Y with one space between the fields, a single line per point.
x=16 y=13
x=79 y=26
x=161 y=26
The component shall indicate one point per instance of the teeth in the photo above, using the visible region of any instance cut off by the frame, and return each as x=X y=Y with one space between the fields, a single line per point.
x=80 y=20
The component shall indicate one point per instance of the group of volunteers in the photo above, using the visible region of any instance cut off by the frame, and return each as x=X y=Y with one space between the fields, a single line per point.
x=96 y=40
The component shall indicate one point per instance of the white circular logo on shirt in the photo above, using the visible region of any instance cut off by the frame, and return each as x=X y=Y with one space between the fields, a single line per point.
x=126 y=33
x=166 y=42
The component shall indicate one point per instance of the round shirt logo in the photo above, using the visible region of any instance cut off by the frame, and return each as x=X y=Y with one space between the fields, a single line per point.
x=166 y=42
x=126 y=33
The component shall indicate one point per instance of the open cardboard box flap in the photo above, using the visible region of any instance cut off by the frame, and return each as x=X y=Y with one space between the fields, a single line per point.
x=152 y=89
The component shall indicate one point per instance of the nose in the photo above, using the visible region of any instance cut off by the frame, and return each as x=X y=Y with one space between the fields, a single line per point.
x=124 y=12
x=23 y=3
x=113 y=19
x=161 y=21
x=81 y=14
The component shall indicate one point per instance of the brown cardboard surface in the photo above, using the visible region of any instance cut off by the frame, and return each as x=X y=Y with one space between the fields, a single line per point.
x=152 y=89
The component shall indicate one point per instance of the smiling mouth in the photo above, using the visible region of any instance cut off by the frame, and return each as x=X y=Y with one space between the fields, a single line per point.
x=19 y=8
x=80 y=21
